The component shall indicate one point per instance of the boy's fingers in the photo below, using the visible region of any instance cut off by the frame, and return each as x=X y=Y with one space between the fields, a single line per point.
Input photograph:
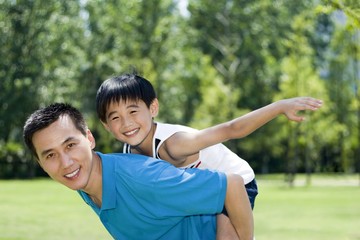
x=314 y=102
x=296 y=118
x=311 y=104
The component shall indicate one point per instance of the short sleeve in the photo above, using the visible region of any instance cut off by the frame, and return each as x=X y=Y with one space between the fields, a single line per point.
x=171 y=191
x=193 y=191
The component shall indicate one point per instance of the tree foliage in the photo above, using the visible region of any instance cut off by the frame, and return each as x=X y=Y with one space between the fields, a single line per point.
x=40 y=40
x=223 y=59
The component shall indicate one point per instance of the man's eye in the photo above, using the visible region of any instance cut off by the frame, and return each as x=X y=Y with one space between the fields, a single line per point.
x=132 y=112
x=50 y=156
x=71 y=145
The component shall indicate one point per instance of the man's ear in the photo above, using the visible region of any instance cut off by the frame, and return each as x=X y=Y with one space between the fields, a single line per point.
x=91 y=139
x=154 y=107
x=39 y=162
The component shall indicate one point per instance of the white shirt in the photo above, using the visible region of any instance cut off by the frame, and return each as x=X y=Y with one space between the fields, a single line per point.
x=217 y=157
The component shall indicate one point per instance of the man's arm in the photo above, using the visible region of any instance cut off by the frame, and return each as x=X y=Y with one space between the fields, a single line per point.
x=183 y=144
x=238 y=207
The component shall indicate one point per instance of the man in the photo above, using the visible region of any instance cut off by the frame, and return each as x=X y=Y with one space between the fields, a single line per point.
x=136 y=197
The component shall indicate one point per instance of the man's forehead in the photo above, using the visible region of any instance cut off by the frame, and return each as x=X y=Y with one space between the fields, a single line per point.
x=55 y=133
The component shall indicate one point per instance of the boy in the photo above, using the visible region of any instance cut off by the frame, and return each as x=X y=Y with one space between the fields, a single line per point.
x=136 y=197
x=127 y=106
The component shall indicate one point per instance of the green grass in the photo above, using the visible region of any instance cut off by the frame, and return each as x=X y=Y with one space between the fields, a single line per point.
x=44 y=209
x=329 y=210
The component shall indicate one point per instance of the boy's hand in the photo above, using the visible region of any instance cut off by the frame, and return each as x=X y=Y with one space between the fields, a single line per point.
x=291 y=107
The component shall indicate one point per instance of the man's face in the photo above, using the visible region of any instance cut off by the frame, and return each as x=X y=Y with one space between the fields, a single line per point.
x=65 y=153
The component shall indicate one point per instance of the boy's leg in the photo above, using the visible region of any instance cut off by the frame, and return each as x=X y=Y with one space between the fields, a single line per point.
x=225 y=230
x=238 y=207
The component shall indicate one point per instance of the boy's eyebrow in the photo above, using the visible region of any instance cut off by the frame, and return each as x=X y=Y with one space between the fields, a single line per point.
x=45 y=152
x=110 y=113
x=132 y=106
x=129 y=106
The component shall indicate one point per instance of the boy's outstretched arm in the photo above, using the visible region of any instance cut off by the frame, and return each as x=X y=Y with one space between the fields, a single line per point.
x=183 y=144
x=238 y=207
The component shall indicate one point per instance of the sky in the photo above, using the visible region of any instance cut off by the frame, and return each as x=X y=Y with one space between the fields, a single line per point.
x=183 y=8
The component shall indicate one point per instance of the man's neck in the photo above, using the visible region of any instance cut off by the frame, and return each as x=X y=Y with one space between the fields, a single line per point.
x=94 y=188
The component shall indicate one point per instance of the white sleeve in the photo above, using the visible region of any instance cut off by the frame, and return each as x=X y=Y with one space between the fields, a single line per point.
x=220 y=158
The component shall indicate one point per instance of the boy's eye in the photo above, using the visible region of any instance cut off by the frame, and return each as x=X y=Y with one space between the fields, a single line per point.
x=114 y=118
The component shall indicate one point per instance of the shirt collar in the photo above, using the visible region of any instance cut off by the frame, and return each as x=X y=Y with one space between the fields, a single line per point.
x=108 y=182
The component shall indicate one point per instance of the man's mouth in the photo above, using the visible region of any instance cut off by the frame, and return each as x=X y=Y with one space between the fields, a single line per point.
x=72 y=174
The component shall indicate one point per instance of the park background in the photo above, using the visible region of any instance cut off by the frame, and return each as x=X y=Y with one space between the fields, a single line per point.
x=210 y=61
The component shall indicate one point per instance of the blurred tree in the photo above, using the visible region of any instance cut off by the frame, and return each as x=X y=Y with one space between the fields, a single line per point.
x=347 y=15
x=305 y=141
x=246 y=42
x=40 y=40
x=222 y=60
x=124 y=35
x=343 y=84
x=342 y=74
x=152 y=37
x=349 y=7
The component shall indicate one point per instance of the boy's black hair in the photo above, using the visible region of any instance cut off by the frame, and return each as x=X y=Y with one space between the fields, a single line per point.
x=44 y=117
x=124 y=87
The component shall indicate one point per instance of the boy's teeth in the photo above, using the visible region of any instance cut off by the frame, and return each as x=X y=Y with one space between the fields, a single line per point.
x=131 y=132
x=70 y=175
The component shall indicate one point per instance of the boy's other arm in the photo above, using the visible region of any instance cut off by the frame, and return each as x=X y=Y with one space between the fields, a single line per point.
x=183 y=144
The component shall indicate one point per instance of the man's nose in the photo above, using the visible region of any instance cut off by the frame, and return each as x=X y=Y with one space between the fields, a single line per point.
x=66 y=160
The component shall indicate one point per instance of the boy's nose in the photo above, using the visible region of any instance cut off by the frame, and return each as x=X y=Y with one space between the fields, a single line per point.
x=127 y=122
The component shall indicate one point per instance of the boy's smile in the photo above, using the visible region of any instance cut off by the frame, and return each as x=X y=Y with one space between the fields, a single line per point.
x=133 y=132
x=131 y=122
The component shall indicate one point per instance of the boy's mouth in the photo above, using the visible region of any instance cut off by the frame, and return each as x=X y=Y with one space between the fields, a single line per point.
x=132 y=132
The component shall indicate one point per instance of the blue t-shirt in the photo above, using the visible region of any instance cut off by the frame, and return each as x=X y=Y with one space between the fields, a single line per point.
x=146 y=198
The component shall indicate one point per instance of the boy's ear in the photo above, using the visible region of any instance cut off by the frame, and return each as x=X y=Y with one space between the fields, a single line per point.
x=154 y=107
x=105 y=126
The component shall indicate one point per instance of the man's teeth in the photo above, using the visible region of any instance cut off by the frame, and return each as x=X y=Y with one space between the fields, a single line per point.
x=70 y=175
x=131 y=132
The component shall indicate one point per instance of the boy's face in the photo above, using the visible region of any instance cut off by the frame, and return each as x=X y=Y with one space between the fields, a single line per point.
x=65 y=153
x=131 y=121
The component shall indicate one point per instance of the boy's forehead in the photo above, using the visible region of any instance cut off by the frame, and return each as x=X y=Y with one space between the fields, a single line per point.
x=115 y=103
x=125 y=100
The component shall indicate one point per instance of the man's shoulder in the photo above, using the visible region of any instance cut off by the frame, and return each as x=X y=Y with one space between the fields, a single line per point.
x=120 y=157
x=128 y=160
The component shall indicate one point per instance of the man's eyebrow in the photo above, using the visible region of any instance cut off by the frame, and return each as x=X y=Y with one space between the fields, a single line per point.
x=45 y=152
